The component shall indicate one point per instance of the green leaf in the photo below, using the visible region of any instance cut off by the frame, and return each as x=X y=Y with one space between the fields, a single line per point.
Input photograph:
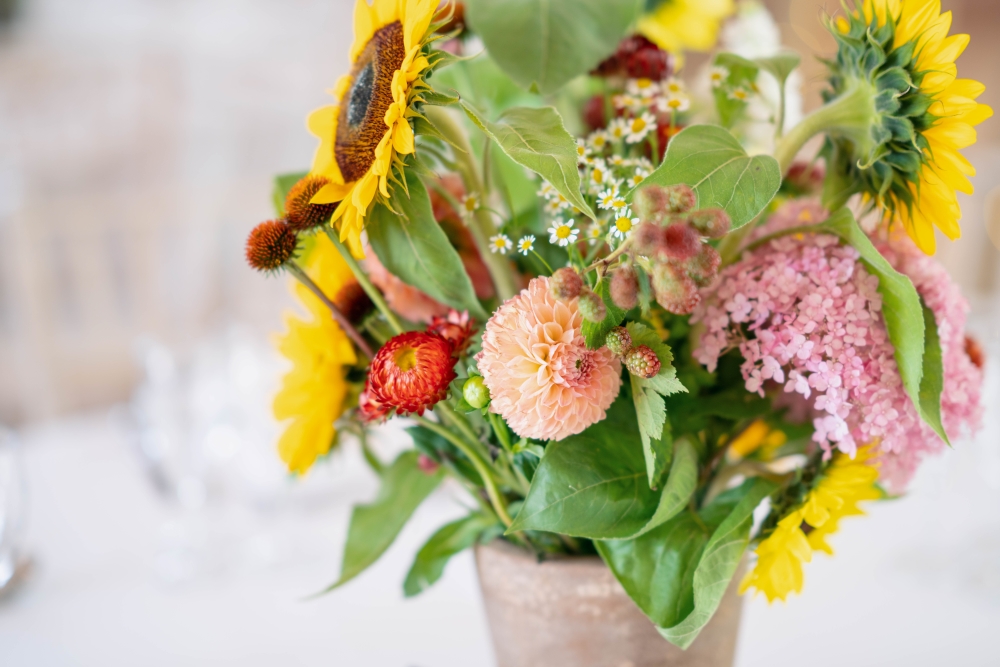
x=374 y=526
x=647 y=394
x=742 y=74
x=543 y=44
x=780 y=65
x=901 y=307
x=423 y=126
x=594 y=333
x=678 y=572
x=594 y=484
x=714 y=164
x=438 y=98
x=932 y=379
x=537 y=139
x=413 y=247
x=282 y=184
x=429 y=564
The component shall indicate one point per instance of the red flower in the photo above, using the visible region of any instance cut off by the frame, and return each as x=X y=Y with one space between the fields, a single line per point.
x=370 y=409
x=411 y=372
x=457 y=329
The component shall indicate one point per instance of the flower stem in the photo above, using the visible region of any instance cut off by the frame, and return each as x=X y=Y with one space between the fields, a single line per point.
x=340 y=318
x=850 y=115
x=366 y=284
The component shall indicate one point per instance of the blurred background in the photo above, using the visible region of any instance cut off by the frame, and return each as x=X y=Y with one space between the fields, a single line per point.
x=147 y=517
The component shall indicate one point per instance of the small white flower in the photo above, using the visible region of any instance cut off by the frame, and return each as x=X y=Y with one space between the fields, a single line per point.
x=618 y=129
x=470 y=204
x=595 y=234
x=500 y=244
x=556 y=204
x=608 y=198
x=623 y=224
x=546 y=190
x=639 y=163
x=642 y=87
x=639 y=127
x=638 y=177
x=562 y=233
x=676 y=103
x=617 y=161
x=673 y=86
x=625 y=101
x=598 y=140
x=718 y=75
x=599 y=175
x=739 y=94
x=581 y=150
x=526 y=244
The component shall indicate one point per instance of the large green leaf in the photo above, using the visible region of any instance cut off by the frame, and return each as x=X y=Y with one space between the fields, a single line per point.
x=714 y=164
x=538 y=140
x=542 y=44
x=374 y=526
x=678 y=572
x=932 y=379
x=594 y=484
x=647 y=394
x=413 y=247
x=429 y=564
x=595 y=333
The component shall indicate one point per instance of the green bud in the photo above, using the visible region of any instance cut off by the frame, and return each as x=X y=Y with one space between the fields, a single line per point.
x=475 y=393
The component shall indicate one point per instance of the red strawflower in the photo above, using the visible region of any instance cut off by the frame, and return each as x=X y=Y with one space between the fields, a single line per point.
x=411 y=372
x=636 y=58
x=457 y=328
x=371 y=410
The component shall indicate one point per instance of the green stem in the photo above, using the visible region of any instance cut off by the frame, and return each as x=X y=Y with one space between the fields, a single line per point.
x=373 y=293
x=370 y=457
x=499 y=505
x=481 y=226
x=338 y=316
x=850 y=115
x=462 y=424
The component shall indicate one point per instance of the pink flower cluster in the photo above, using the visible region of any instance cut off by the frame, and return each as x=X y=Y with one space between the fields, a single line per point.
x=807 y=315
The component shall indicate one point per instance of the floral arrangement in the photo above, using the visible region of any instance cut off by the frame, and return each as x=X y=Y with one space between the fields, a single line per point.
x=640 y=341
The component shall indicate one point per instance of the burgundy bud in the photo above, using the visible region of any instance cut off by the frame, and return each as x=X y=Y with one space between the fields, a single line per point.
x=642 y=361
x=681 y=241
x=680 y=198
x=711 y=222
x=674 y=289
x=648 y=239
x=704 y=266
x=565 y=284
x=625 y=288
x=651 y=202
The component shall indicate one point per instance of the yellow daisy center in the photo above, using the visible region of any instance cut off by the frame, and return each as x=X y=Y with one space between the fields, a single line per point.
x=638 y=125
x=562 y=231
x=624 y=225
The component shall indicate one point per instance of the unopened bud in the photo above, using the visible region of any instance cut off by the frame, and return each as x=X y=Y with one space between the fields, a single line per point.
x=624 y=288
x=704 y=266
x=592 y=307
x=475 y=393
x=711 y=222
x=618 y=341
x=648 y=239
x=642 y=362
x=681 y=241
x=651 y=202
x=674 y=289
x=565 y=284
x=680 y=198
x=427 y=465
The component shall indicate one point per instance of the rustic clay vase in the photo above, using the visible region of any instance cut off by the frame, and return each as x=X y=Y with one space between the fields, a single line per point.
x=572 y=612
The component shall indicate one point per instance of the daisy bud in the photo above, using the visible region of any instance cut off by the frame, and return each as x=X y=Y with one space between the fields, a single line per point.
x=704 y=266
x=711 y=222
x=642 y=362
x=565 y=284
x=619 y=341
x=674 y=289
x=625 y=288
x=411 y=372
x=299 y=213
x=475 y=393
x=270 y=245
x=648 y=239
x=592 y=307
x=681 y=241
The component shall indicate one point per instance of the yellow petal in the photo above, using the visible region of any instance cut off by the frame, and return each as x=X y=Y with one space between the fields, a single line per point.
x=331 y=193
x=364 y=27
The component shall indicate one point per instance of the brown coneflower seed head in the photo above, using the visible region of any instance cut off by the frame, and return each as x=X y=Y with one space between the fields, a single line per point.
x=711 y=222
x=565 y=283
x=619 y=341
x=674 y=289
x=299 y=213
x=624 y=288
x=353 y=302
x=270 y=245
x=681 y=241
x=704 y=266
x=975 y=352
x=648 y=239
x=592 y=307
x=642 y=362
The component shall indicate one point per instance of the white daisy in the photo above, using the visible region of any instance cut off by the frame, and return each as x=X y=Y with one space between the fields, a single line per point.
x=618 y=129
x=608 y=198
x=638 y=177
x=598 y=140
x=718 y=75
x=676 y=103
x=599 y=175
x=639 y=127
x=617 y=161
x=556 y=204
x=642 y=87
x=562 y=233
x=673 y=86
x=581 y=150
x=740 y=94
x=595 y=234
x=623 y=224
x=546 y=190
x=470 y=204
x=526 y=244
x=500 y=244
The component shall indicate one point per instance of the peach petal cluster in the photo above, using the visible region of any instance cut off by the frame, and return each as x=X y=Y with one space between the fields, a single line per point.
x=542 y=378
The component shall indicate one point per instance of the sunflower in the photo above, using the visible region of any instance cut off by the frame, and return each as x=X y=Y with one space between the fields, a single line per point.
x=836 y=494
x=313 y=392
x=680 y=25
x=365 y=132
x=896 y=63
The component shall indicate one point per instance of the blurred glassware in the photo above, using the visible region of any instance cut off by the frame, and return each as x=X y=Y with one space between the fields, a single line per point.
x=13 y=511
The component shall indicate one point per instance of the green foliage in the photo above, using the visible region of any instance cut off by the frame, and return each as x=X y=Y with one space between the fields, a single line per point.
x=429 y=564
x=412 y=246
x=678 y=572
x=441 y=451
x=932 y=379
x=648 y=394
x=375 y=525
x=594 y=333
x=780 y=65
x=537 y=139
x=282 y=184
x=714 y=164
x=594 y=484
x=742 y=74
x=543 y=44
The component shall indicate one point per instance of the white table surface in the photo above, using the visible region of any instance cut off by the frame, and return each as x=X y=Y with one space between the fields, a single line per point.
x=124 y=578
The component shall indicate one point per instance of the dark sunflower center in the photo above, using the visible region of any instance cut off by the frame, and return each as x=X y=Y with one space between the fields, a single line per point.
x=361 y=124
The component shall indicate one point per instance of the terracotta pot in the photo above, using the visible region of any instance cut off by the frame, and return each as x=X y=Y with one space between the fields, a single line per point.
x=572 y=611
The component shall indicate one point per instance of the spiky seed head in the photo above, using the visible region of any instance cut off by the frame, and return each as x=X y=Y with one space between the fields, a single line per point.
x=565 y=283
x=624 y=287
x=299 y=213
x=681 y=241
x=641 y=361
x=674 y=289
x=592 y=307
x=270 y=245
x=711 y=222
x=619 y=341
